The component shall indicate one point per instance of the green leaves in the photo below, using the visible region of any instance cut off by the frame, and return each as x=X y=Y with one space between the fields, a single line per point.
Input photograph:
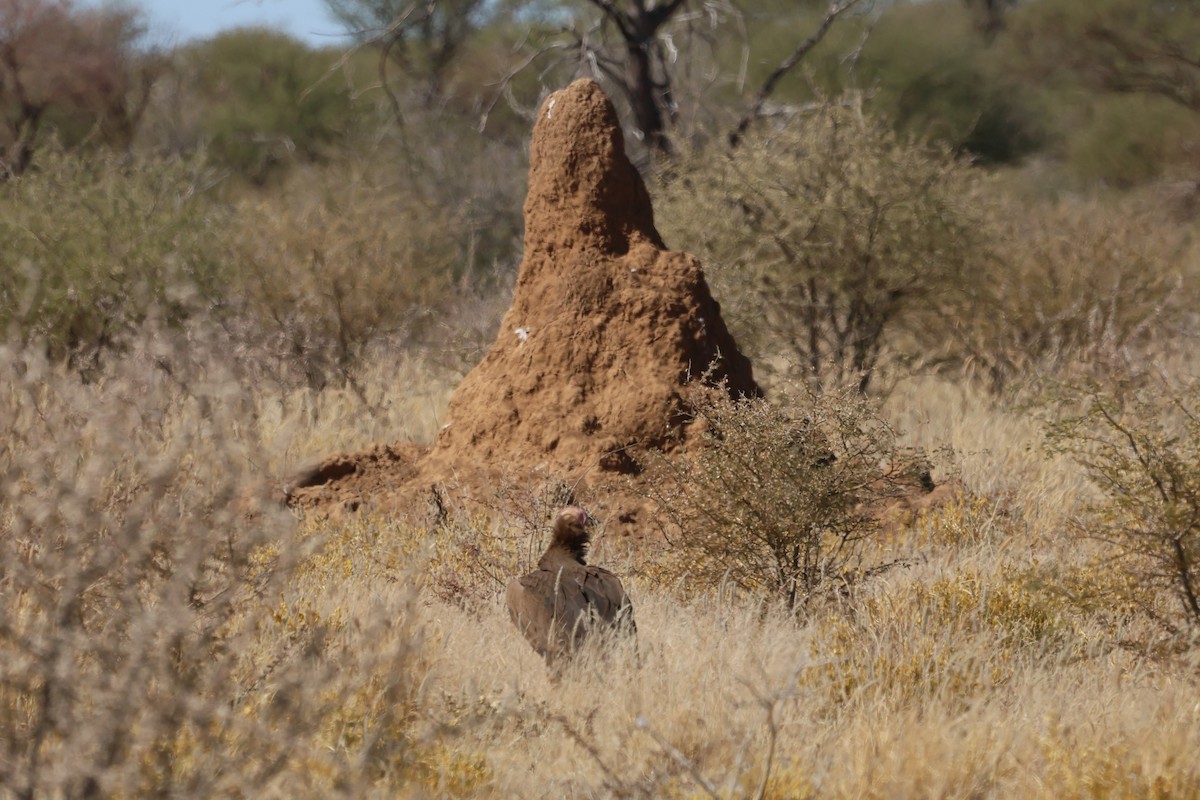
x=95 y=249
x=271 y=101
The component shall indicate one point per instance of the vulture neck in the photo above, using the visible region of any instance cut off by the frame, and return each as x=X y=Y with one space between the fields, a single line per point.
x=561 y=551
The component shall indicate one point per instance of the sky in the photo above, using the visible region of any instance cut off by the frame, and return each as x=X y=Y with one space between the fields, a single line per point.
x=177 y=21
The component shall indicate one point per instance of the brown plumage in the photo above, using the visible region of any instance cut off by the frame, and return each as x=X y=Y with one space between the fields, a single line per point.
x=558 y=603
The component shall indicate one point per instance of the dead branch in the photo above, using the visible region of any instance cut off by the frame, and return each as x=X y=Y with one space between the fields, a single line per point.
x=835 y=10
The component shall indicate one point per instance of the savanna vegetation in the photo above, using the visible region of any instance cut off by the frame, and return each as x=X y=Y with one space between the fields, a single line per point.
x=962 y=229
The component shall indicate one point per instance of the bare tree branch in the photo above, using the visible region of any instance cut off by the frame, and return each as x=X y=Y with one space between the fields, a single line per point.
x=503 y=84
x=835 y=10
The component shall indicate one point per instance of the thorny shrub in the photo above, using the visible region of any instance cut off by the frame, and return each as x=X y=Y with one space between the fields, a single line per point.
x=824 y=239
x=330 y=270
x=836 y=245
x=776 y=497
x=303 y=283
x=127 y=562
x=157 y=635
x=1074 y=286
x=1139 y=444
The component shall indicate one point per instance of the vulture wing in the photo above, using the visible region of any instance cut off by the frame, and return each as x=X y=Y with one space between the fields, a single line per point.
x=604 y=596
x=554 y=608
x=530 y=600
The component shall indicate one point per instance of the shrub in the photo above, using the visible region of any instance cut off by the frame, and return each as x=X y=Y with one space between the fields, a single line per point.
x=1126 y=140
x=825 y=239
x=127 y=563
x=773 y=499
x=1123 y=101
x=93 y=250
x=1140 y=447
x=932 y=73
x=164 y=628
x=337 y=265
x=82 y=71
x=1072 y=284
x=270 y=99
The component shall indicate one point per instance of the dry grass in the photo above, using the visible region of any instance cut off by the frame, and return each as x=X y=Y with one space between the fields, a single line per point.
x=996 y=451
x=395 y=398
x=965 y=713
x=249 y=653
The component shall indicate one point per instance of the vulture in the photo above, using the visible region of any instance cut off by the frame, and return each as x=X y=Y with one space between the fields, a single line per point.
x=556 y=605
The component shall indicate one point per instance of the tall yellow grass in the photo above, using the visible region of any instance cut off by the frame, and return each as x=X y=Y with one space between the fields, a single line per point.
x=163 y=632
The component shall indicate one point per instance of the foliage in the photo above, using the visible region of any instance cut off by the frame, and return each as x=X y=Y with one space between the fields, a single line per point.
x=96 y=248
x=824 y=239
x=330 y=271
x=776 y=499
x=303 y=282
x=1140 y=447
x=77 y=69
x=477 y=181
x=1122 y=94
x=1073 y=285
x=165 y=630
x=425 y=40
x=1126 y=46
x=125 y=610
x=342 y=670
x=272 y=101
x=1128 y=140
x=932 y=75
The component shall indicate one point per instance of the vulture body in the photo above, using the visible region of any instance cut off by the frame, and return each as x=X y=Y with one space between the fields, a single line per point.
x=556 y=605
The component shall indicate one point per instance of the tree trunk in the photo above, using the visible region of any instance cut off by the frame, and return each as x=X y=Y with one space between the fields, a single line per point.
x=643 y=99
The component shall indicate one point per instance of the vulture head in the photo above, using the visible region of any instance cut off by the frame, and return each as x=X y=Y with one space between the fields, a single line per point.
x=571 y=534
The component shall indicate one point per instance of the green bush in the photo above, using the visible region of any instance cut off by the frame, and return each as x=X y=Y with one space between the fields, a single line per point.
x=1127 y=140
x=1123 y=102
x=932 y=75
x=776 y=499
x=95 y=249
x=827 y=239
x=271 y=101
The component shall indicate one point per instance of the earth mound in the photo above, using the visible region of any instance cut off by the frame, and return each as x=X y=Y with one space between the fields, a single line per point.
x=606 y=328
